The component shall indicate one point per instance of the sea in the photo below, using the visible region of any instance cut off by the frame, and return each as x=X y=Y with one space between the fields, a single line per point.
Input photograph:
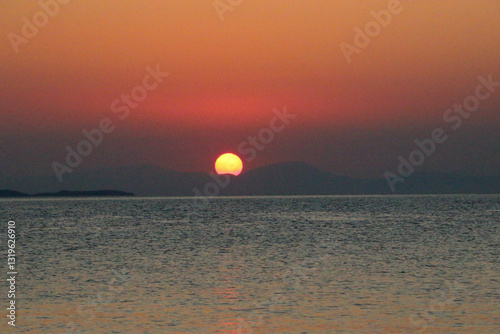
x=318 y=264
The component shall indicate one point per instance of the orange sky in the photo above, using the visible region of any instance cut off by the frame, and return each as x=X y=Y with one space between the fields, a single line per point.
x=226 y=77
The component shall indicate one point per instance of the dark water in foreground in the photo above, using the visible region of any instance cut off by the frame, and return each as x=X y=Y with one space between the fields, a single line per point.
x=391 y=264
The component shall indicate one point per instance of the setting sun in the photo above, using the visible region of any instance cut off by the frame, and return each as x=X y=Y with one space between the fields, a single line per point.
x=228 y=163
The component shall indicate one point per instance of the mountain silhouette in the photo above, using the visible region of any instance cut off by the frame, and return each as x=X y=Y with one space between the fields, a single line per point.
x=288 y=178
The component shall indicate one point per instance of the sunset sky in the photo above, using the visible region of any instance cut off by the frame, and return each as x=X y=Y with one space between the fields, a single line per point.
x=226 y=77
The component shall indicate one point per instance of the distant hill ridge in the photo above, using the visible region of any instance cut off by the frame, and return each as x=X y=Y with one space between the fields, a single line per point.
x=66 y=193
x=287 y=178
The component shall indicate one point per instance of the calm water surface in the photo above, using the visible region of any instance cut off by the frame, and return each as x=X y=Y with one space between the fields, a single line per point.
x=380 y=264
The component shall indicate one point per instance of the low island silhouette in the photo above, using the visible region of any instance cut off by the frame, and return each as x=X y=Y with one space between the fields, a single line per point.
x=281 y=179
x=67 y=193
